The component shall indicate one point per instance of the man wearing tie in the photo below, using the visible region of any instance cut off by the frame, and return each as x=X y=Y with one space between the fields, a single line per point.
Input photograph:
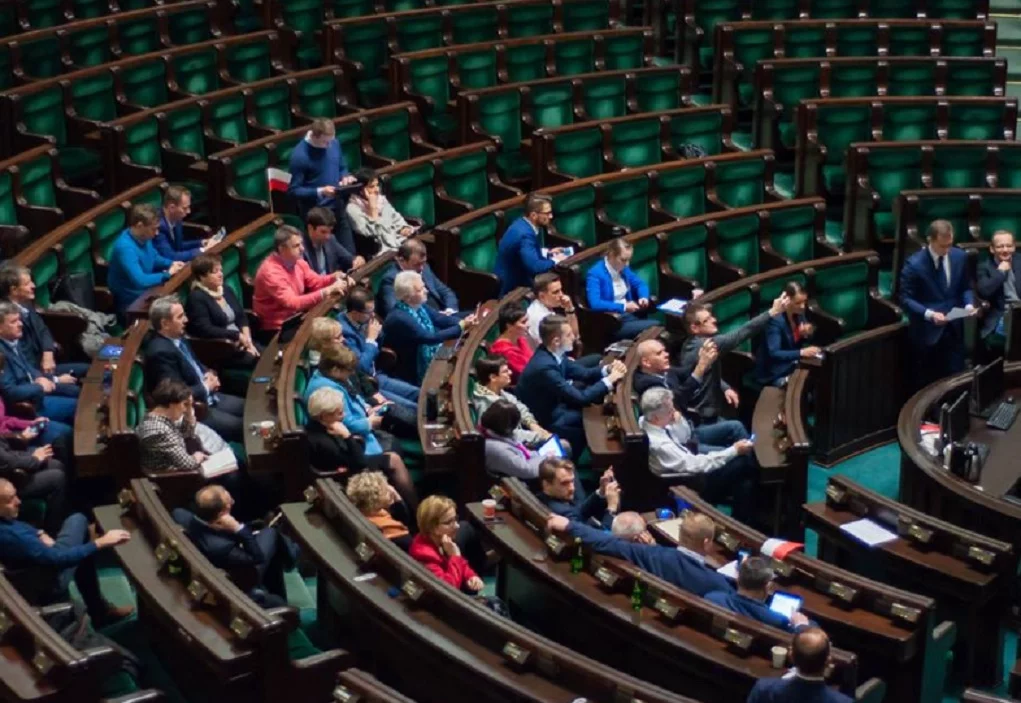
x=998 y=278
x=933 y=282
x=54 y=396
x=168 y=355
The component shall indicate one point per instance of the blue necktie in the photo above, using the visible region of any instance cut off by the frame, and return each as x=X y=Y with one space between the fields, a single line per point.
x=941 y=273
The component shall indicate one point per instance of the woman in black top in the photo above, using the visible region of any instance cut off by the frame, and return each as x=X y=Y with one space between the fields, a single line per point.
x=214 y=312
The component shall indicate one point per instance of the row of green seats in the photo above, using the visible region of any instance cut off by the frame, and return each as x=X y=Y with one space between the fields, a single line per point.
x=45 y=53
x=878 y=174
x=66 y=111
x=509 y=114
x=601 y=146
x=363 y=46
x=976 y=213
x=781 y=84
x=432 y=78
x=34 y=198
x=741 y=45
x=26 y=15
x=171 y=138
x=698 y=20
x=239 y=191
x=827 y=127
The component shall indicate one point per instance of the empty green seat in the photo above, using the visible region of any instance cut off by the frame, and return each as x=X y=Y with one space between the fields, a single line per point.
x=574 y=213
x=838 y=128
x=226 y=119
x=258 y=245
x=889 y=172
x=645 y=263
x=740 y=183
x=959 y=167
x=271 y=106
x=477 y=242
x=953 y=208
x=552 y=104
x=578 y=152
x=659 y=90
x=412 y=193
x=737 y=242
x=529 y=20
x=681 y=192
x=687 y=253
x=605 y=98
x=843 y=292
x=465 y=177
x=585 y=15
x=145 y=83
x=626 y=202
x=792 y=233
x=42 y=113
x=999 y=212
x=703 y=128
x=636 y=142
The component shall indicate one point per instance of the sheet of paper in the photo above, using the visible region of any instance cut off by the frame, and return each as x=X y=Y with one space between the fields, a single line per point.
x=671 y=528
x=674 y=305
x=868 y=532
x=957 y=314
x=729 y=570
x=222 y=462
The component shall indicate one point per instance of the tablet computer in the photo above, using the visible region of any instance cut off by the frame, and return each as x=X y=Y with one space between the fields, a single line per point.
x=552 y=448
x=785 y=604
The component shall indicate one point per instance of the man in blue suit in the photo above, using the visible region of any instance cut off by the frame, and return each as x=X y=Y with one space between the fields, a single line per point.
x=612 y=286
x=998 y=278
x=933 y=282
x=412 y=256
x=810 y=650
x=785 y=340
x=754 y=587
x=170 y=242
x=562 y=492
x=323 y=252
x=519 y=257
x=547 y=387
x=55 y=397
x=361 y=329
x=631 y=541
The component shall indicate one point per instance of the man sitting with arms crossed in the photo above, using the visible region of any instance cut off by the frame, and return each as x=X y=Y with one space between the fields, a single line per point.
x=709 y=399
x=673 y=455
x=561 y=492
x=631 y=541
x=754 y=587
x=71 y=555
x=810 y=650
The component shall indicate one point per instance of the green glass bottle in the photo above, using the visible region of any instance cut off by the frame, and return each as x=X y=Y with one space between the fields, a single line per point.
x=578 y=558
x=636 y=595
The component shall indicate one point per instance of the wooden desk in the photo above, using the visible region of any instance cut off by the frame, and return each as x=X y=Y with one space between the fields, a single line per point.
x=925 y=485
x=437 y=438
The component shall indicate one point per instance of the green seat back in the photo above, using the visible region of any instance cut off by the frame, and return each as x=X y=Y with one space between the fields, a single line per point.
x=709 y=13
x=792 y=232
x=790 y=85
x=258 y=246
x=247 y=174
x=964 y=41
x=230 y=259
x=145 y=84
x=804 y=42
x=579 y=152
x=624 y=52
x=37 y=182
x=912 y=79
x=843 y=291
x=93 y=97
x=183 y=128
x=429 y=77
x=1008 y=174
x=576 y=56
x=737 y=242
x=466 y=178
x=944 y=207
x=687 y=253
x=197 y=72
x=998 y=212
x=108 y=227
x=366 y=43
x=475 y=25
x=636 y=142
x=250 y=61
x=477 y=69
x=552 y=105
x=626 y=202
x=41 y=58
x=499 y=114
x=343 y=9
x=681 y=191
x=8 y=211
x=585 y=15
x=189 y=26
x=44 y=13
x=645 y=263
x=89 y=47
x=658 y=91
x=77 y=252
x=271 y=107
x=838 y=128
x=909 y=41
x=970 y=79
x=733 y=311
x=135 y=407
x=411 y=191
x=44 y=274
x=525 y=63
x=390 y=135
x=857 y=41
x=703 y=129
x=419 y=33
x=854 y=81
x=42 y=112
x=227 y=119
x=604 y=98
x=574 y=213
x=478 y=243
x=317 y=97
x=302 y=15
x=909 y=122
x=976 y=122
x=529 y=20
x=349 y=135
x=837 y=9
x=139 y=36
x=740 y=183
x=959 y=167
x=300 y=384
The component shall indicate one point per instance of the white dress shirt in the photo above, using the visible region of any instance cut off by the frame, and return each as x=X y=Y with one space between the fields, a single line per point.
x=668 y=457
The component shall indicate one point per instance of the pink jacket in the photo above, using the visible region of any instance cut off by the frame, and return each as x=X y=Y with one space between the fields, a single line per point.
x=281 y=292
x=9 y=423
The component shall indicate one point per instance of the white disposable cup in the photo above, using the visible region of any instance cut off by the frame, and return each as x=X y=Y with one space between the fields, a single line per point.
x=779 y=657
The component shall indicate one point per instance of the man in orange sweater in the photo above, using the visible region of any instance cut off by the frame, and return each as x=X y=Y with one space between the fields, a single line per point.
x=286 y=285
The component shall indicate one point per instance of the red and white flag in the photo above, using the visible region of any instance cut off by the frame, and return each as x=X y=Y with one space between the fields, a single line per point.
x=278 y=180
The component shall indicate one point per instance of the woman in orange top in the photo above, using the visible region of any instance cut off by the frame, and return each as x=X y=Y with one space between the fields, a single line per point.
x=513 y=343
x=375 y=498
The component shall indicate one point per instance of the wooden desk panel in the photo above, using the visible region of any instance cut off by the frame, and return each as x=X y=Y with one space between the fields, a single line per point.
x=261 y=406
x=91 y=420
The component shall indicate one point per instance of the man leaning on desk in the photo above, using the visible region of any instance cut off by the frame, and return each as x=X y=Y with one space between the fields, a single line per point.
x=934 y=282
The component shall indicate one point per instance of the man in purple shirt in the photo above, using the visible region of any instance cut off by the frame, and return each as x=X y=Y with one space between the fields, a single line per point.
x=70 y=555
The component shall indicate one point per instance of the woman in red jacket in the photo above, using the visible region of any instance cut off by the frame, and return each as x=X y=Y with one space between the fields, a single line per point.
x=434 y=545
x=513 y=343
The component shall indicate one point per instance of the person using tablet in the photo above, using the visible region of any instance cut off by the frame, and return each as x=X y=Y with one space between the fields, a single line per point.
x=753 y=598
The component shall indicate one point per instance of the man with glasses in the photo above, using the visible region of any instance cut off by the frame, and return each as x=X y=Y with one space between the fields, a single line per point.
x=713 y=392
x=519 y=257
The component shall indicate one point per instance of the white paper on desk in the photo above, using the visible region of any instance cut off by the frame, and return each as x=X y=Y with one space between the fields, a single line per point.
x=672 y=528
x=674 y=305
x=869 y=532
x=956 y=314
x=729 y=570
x=220 y=463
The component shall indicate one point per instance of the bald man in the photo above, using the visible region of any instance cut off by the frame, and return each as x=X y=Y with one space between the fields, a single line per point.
x=70 y=556
x=810 y=651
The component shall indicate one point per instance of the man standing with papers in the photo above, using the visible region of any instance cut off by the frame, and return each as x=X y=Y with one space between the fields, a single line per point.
x=935 y=290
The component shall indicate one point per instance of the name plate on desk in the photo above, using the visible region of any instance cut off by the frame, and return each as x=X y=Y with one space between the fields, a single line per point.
x=835 y=494
x=914 y=531
x=517 y=655
x=740 y=640
x=781 y=567
x=904 y=612
x=555 y=544
x=841 y=591
x=607 y=577
x=982 y=556
x=666 y=608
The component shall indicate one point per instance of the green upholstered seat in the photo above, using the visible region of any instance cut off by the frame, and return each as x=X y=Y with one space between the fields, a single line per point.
x=499 y=115
x=737 y=242
x=681 y=191
x=624 y=52
x=317 y=96
x=732 y=311
x=838 y=128
x=578 y=152
x=529 y=20
x=8 y=210
x=702 y=129
x=843 y=291
x=390 y=135
x=959 y=167
x=907 y=122
x=636 y=142
x=687 y=253
x=478 y=243
x=271 y=107
x=471 y=26
x=42 y=113
x=740 y=183
x=197 y=72
x=37 y=182
x=977 y=121
x=466 y=178
x=645 y=263
x=135 y=406
x=944 y=207
x=585 y=15
x=626 y=202
x=574 y=213
x=552 y=105
x=258 y=245
x=658 y=91
x=478 y=69
x=890 y=172
x=227 y=119
x=183 y=130
x=575 y=56
x=250 y=61
x=411 y=192
x=419 y=33
x=145 y=84
x=352 y=8
x=604 y=98
x=998 y=212
x=792 y=232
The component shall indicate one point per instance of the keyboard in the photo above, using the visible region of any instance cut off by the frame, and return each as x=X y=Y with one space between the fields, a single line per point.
x=1003 y=416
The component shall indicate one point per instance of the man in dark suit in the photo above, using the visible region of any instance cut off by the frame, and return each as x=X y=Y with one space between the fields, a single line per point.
x=324 y=252
x=997 y=284
x=37 y=343
x=933 y=282
x=547 y=387
x=227 y=543
x=810 y=651
x=631 y=541
x=412 y=256
x=168 y=355
x=562 y=492
x=54 y=396
x=654 y=371
x=519 y=257
x=785 y=340
x=170 y=242
x=754 y=587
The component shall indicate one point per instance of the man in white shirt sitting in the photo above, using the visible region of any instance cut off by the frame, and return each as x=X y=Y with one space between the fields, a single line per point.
x=674 y=453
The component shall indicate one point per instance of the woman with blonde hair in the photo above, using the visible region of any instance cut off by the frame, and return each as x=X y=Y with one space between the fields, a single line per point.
x=326 y=334
x=375 y=499
x=434 y=545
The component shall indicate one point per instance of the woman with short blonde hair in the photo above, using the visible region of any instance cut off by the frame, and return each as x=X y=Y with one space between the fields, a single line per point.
x=374 y=498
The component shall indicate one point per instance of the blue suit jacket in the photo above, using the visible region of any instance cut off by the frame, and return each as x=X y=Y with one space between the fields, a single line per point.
x=666 y=563
x=778 y=353
x=17 y=382
x=403 y=334
x=599 y=288
x=795 y=690
x=519 y=257
x=581 y=510
x=356 y=342
x=990 y=288
x=337 y=258
x=743 y=605
x=921 y=290
x=171 y=244
x=440 y=297
x=545 y=386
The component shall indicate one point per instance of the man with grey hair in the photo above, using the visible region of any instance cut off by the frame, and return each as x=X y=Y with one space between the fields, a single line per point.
x=168 y=355
x=673 y=455
x=54 y=397
x=414 y=330
x=630 y=540
x=135 y=265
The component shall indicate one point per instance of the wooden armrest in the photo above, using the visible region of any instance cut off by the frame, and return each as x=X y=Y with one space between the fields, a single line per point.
x=872 y=691
x=387 y=360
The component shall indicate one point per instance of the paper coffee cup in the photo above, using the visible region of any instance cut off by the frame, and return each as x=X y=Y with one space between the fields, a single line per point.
x=489 y=508
x=779 y=657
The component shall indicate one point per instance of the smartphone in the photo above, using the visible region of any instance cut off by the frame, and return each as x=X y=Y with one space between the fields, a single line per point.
x=785 y=604
x=742 y=554
x=261 y=379
x=752 y=438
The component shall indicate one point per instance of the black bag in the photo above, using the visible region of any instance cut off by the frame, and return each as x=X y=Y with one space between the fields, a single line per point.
x=77 y=288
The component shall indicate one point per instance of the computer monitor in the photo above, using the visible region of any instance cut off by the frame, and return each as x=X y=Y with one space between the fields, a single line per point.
x=987 y=387
x=954 y=420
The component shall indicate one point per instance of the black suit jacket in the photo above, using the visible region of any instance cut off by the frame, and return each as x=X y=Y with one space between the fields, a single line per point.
x=222 y=549
x=206 y=319
x=990 y=289
x=681 y=384
x=327 y=452
x=164 y=360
